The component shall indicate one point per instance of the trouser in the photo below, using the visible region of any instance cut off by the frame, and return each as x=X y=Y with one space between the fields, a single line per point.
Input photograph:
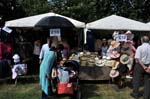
x=44 y=96
x=138 y=73
x=147 y=86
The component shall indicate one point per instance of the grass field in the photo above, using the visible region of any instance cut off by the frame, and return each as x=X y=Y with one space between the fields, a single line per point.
x=89 y=91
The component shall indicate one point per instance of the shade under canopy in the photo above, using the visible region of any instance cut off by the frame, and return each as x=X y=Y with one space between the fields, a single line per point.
x=45 y=20
x=115 y=22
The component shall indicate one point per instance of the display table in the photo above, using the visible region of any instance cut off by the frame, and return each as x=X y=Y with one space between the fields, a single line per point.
x=94 y=73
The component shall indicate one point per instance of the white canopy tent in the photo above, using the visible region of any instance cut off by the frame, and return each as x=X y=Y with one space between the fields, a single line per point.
x=148 y=23
x=31 y=21
x=115 y=22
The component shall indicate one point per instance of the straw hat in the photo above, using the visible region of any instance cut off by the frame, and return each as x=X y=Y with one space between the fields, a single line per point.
x=83 y=58
x=124 y=59
x=126 y=49
x=100 y=63
x=114 y=54
x=129 y=42
x=108 y=58
x=87 y=53
x=115 y=66
x=81 y=54
x=129 y=34
x=110 y=63
x=83 y=63
x=113 y=73
x=114 y=44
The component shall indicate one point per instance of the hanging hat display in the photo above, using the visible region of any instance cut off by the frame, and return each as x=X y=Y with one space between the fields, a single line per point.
x=125 y=49
x=114 y=73
x=124 y=59
x=114 y=54
x=130 y=35
x=114 y=44
x=116 y=65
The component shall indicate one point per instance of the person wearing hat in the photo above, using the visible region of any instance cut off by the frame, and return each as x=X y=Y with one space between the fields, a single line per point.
x=104 y=48
x=18 y=68
x=142 y=68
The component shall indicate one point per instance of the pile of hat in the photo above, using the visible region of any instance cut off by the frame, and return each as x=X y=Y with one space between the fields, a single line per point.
x=120 y=52
x=87 y=58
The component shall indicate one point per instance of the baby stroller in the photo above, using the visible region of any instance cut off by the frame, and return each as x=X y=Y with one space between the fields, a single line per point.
x=67 y=81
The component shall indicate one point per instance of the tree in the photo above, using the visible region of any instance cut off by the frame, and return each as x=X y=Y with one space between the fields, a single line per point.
x=9 y=9
x=87 y=10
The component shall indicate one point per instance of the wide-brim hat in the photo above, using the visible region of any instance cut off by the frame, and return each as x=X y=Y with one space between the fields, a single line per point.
x=129 y=42
x=114 y=44
x=87 y=53
x=83 y=63
x=124 y=59
x=130 y=35
x=125 y=49
x=114 y=73
x=110 y=63
x=100 y=63
x=83 y=58
x=108 y=58
x=81 y=54
x=115 y=65
x=114 y=54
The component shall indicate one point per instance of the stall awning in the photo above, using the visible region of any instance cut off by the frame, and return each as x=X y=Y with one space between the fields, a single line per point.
x=115 y=22
x=45 y=20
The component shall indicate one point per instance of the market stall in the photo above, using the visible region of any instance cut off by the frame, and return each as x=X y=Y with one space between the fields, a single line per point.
x=61 y=28
x=119 y=49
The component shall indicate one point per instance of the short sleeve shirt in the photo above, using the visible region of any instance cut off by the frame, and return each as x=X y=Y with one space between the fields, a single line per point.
x=45 y=48
x=143 y=53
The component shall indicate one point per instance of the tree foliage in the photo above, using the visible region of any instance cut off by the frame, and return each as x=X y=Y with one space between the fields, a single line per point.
x=83 y=10
x=89 y=10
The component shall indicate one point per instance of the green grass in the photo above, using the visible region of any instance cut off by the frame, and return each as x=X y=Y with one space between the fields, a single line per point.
x=89 y=91
x=21 y=91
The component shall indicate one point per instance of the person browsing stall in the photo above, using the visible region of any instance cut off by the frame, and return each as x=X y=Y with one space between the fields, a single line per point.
x=142 y=68
x=46 y=66
x=45 y=48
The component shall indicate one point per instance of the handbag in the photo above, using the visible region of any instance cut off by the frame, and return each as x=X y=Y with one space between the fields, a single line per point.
x=65 y=88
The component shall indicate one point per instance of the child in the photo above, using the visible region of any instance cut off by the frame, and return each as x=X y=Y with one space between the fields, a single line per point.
x=18 y=68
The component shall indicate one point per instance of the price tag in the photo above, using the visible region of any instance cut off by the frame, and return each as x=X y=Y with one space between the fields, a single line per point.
x=54 y=32
x=121 y=37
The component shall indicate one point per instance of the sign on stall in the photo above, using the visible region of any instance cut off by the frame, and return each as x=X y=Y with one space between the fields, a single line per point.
x=54 y=32
x=121 y=37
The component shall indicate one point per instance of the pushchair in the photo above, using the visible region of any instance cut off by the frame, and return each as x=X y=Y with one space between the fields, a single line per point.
x=71 y=87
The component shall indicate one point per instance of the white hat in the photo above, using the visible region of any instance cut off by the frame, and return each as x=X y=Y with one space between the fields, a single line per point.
x=114 y=73
x=100 y=63
x=16 y=58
